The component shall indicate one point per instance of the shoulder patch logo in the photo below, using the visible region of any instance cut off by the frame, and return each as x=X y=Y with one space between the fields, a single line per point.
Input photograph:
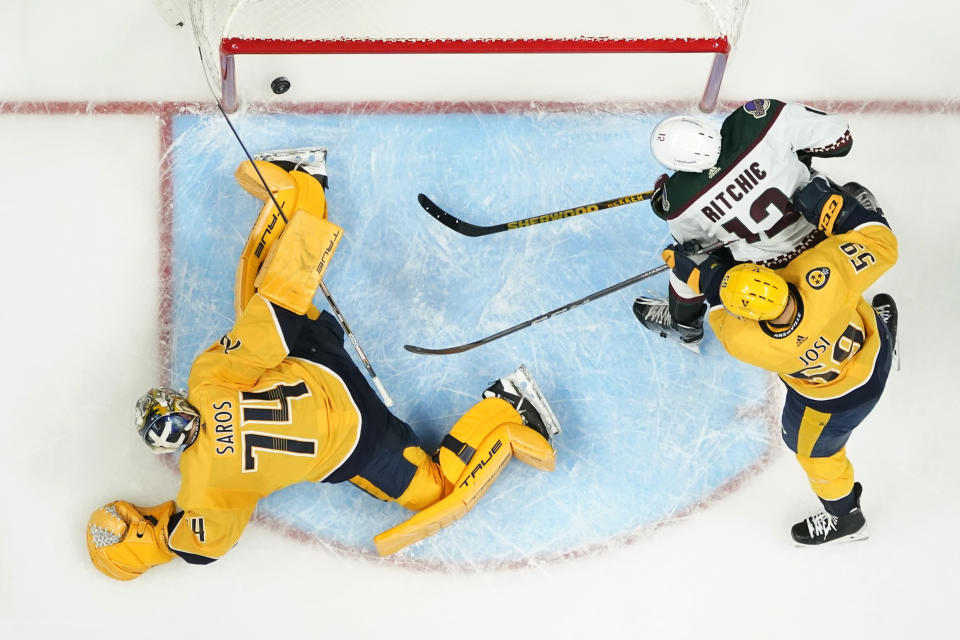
x=818 y=277
x=713 y=171
x=228 y=344
x=757 y=108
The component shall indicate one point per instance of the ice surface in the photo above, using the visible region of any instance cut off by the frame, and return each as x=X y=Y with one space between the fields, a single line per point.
x=649 y=429
x=80 y=343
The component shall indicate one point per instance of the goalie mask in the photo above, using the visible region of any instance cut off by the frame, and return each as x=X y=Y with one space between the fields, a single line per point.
x=683 y=143
x=166 y=421
x=754 y=292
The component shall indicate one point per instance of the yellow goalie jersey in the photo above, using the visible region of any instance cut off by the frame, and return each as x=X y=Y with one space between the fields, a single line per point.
x=268 y=421
x=831 y=346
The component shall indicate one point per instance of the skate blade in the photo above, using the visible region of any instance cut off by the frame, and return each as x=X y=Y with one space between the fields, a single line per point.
x=691 y=346
x=523 y=380
x=292 y=154
x=853 y=537
x=313 y=157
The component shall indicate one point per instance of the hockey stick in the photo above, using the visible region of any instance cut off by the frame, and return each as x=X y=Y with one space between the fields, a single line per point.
x=549 y=314
x=387 y=400
x=473 y=230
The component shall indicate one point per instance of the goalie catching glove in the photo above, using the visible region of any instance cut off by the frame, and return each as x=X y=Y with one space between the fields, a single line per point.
x=125 y=540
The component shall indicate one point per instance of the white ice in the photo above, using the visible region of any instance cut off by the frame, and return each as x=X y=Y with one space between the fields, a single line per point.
x=80 y=335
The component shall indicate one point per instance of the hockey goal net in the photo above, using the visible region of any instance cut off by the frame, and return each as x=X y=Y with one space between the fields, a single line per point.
x=225 y=29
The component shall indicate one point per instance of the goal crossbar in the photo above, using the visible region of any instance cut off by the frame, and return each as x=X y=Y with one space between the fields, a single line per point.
x=231 y=47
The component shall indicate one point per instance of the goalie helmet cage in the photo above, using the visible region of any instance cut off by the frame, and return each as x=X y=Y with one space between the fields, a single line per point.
x=225 y=29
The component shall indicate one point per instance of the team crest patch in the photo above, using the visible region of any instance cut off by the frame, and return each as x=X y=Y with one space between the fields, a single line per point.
x=818 y=277
x=757 y=108
x=228 y=344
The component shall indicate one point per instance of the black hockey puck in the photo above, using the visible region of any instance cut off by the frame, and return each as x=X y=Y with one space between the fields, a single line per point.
x=280 y=85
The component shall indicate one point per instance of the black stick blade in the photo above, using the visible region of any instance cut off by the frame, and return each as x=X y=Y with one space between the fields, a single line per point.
x=424 y=351
x=454 y=222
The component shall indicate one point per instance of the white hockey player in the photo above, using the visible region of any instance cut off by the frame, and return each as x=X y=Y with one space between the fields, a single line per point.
x=735 y=183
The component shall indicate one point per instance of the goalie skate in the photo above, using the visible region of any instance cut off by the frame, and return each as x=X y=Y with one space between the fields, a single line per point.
x=313 y=160
x=521 y=390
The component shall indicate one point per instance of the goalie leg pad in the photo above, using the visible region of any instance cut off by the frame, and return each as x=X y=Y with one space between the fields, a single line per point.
x=531 y=448
x=463 y=442
x=297 y=261
x=310 y=195
x=125 y=540
x=492 y=455
x=293 y=191
x=267 y=228
x=276 y=178
x=471 y=457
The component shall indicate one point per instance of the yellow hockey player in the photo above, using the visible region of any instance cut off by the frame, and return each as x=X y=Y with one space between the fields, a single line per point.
x=809 y=323
x=278 y=400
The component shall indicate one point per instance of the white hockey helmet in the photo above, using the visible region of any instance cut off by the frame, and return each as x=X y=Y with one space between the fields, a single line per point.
x=685 y=143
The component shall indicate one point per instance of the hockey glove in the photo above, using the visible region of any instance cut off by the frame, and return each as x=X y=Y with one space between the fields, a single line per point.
x=659 y=192
x=125 y=540
x=823 y=205
x=703 y=278
x=677 y=257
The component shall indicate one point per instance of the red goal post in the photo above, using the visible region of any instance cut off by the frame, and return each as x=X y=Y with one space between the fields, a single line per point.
x=225 y=29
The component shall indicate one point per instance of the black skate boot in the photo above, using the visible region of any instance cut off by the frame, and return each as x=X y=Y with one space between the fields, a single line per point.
x=312 y=160
x=886 y=310
x=655 y=315
x=521 y=390
x=824 y=527
x=862 y=195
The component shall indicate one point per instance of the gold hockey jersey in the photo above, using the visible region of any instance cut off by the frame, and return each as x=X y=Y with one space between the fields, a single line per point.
x=268 y=421
x=830 y=348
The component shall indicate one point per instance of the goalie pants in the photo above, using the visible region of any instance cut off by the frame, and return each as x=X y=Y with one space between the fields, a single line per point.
x=817 y=431
x=388 y=461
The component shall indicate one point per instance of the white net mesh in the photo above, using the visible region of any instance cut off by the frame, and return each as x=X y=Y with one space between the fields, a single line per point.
x=491 y=20
x=309 y=19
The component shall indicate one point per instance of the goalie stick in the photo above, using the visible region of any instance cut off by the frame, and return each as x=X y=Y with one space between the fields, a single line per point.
x=549 y=314
x=474 y=230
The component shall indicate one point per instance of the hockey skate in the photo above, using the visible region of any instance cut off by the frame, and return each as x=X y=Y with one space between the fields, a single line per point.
x=521 y=390
x=862 y=195
x=824 y=527
x=886 y=309
x=654 y=314
x=313 y=160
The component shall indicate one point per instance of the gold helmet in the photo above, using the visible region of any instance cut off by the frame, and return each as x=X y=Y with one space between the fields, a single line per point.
x=754 y=292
